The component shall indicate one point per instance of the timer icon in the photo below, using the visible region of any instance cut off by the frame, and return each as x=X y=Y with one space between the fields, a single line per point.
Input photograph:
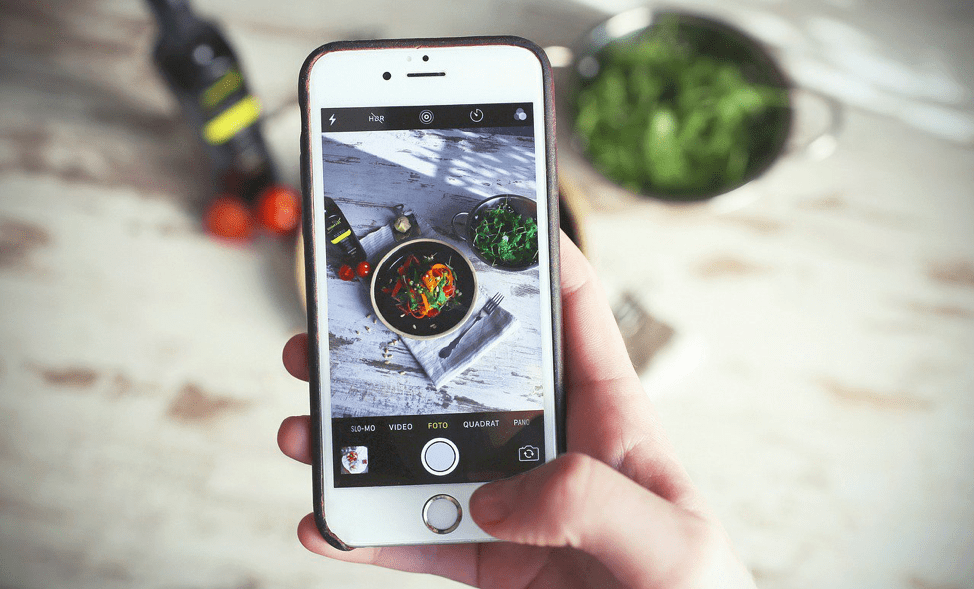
x=476 y=115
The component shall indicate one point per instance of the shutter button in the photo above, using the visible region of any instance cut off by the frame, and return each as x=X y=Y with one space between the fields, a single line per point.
x=440 y=456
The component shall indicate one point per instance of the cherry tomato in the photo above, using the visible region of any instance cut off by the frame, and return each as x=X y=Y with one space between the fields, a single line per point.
x=228 y=217
x=363 y=269
x=279 y=209
x=346 y=272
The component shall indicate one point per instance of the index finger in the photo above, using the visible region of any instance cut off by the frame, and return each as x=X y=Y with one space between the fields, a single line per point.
x=608 y=413
x=593 y=343
x=295 y=356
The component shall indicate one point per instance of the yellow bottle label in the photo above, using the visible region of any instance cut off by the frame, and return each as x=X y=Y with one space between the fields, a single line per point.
x=228 y=123
x=342 y=236
x=226 y=85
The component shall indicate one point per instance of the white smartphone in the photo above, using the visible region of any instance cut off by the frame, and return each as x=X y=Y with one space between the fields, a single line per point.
x=431 y=247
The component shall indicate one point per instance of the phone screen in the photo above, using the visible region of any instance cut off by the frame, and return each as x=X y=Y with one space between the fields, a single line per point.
x=435 y=352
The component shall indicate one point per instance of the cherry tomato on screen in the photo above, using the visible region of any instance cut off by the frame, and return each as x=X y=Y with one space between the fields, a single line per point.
x=346 y=272
x=363 y=269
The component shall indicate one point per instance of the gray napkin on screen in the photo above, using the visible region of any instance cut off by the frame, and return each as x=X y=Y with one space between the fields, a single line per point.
x=377 y=243
x=482 y=337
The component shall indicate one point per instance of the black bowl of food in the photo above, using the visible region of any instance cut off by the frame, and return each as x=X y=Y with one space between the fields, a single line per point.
x=502 y=231
x=423 y=289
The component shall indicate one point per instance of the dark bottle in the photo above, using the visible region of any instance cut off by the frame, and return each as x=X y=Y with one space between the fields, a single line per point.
x=339 y=233
x=202 y=71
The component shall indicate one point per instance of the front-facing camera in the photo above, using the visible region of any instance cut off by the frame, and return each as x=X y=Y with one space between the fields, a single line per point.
x=386 y=76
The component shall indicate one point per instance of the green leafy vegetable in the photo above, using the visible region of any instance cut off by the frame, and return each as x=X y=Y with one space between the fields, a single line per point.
x=504 y=236
x=663 y=115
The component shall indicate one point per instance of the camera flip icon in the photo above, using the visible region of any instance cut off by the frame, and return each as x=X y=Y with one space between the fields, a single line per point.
x=528 y=453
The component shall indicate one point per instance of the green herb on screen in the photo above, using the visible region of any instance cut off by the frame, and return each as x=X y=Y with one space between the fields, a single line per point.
x=504 y=236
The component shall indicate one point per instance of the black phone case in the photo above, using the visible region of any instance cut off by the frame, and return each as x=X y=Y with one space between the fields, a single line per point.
x=309 y=237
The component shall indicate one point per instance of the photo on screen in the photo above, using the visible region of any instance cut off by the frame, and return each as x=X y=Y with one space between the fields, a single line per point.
x=448 y=318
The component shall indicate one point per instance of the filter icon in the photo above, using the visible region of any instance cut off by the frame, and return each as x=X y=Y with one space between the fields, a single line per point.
x=520 y=115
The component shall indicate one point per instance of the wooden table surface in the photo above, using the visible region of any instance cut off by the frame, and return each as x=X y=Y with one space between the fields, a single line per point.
x=437 y=173
x=819 y=387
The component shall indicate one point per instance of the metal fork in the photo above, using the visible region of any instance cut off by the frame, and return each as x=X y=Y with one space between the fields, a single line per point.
x=487 y=309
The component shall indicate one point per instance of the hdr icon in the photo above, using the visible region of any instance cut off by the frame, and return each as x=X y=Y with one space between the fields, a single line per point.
x=374 y=118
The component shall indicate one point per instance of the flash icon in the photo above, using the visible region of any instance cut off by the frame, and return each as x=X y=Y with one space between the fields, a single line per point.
x=332 y=119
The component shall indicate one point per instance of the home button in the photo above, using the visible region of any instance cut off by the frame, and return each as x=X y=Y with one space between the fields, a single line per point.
x=442 y=514
x=440 y=456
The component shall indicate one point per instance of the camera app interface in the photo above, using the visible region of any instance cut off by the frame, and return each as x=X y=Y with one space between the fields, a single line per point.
x=433 y=293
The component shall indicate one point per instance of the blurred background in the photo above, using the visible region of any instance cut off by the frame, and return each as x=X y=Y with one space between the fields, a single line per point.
x=806 y=330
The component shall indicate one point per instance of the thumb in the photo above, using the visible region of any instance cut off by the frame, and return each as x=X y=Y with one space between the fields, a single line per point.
x=580 y=502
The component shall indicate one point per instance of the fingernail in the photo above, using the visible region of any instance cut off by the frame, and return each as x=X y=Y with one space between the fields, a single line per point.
x=490 y=504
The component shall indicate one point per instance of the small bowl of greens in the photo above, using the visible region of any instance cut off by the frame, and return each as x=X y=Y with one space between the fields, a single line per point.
x=676 y=106
x=502 y=231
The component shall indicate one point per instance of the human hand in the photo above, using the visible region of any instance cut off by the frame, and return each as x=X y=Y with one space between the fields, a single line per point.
x=616 y=510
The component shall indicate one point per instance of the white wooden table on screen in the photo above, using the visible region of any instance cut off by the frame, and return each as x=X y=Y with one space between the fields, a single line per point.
x=437 y=173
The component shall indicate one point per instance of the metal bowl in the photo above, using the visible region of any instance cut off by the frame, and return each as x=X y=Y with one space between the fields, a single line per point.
x=770 y=133
x=465 y=225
